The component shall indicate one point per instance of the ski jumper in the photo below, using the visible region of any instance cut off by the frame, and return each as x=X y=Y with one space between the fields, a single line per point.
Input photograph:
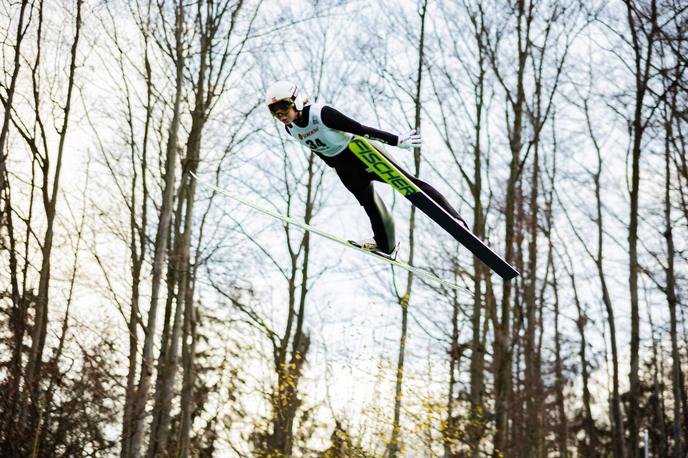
x=327 y=133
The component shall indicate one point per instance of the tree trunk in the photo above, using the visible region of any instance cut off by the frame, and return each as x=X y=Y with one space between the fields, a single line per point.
x=591 y=447
x=184 y=294
x=40 y=327
x=670 y=292
x=393 y=448
x=560 y=379
x=502 y=351
x=138 y=228
x=168 y=359
x=285 y=400
x=615 y=407
x=477 y=368
x=179 y=270
x=450 y=431
x=188 y=363
x=656 y=430
x=534 y=433
x=7 y=102
x=161 y=246
x=642 y=76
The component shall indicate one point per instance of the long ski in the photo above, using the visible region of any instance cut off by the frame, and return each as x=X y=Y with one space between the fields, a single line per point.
x=289 y=220
x=385 y=169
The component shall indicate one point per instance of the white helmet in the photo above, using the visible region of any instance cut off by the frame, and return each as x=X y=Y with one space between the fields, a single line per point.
x=284 y=91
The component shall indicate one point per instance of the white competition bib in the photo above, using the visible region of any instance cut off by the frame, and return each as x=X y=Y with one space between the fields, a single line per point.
x=318 y=137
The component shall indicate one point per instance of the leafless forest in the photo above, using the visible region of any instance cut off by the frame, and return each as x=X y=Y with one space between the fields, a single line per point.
x=142 y=314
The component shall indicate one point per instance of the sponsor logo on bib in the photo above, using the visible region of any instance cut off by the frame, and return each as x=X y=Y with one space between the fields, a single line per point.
x=310 y=133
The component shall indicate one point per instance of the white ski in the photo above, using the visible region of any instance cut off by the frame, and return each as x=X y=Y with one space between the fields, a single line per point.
x=287 y=219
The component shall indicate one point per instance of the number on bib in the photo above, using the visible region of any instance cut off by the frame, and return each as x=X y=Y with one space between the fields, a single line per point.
x=315 y=144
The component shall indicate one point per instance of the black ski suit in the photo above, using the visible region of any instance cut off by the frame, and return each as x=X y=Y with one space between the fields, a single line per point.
x=358 y=179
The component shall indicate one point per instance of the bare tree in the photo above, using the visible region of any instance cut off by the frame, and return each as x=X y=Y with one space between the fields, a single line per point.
x=8 y=97
x=140 y=398
x=135 y=195
x=525 y=110
x=216 y=59
x=290 y=347
x=19 y=306
x=393 y=447
x=33 y=129
x=474 y=62
x=598 y=257
x=670 y=119
x=642 y=25
x=53 y=407
x=562 y=427
x=590 y=444
x=516 y=102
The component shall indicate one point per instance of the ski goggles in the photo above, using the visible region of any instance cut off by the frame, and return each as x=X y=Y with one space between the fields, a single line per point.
x=281 y=107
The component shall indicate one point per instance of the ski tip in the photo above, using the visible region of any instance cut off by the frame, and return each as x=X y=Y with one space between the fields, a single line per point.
x=509 y=274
